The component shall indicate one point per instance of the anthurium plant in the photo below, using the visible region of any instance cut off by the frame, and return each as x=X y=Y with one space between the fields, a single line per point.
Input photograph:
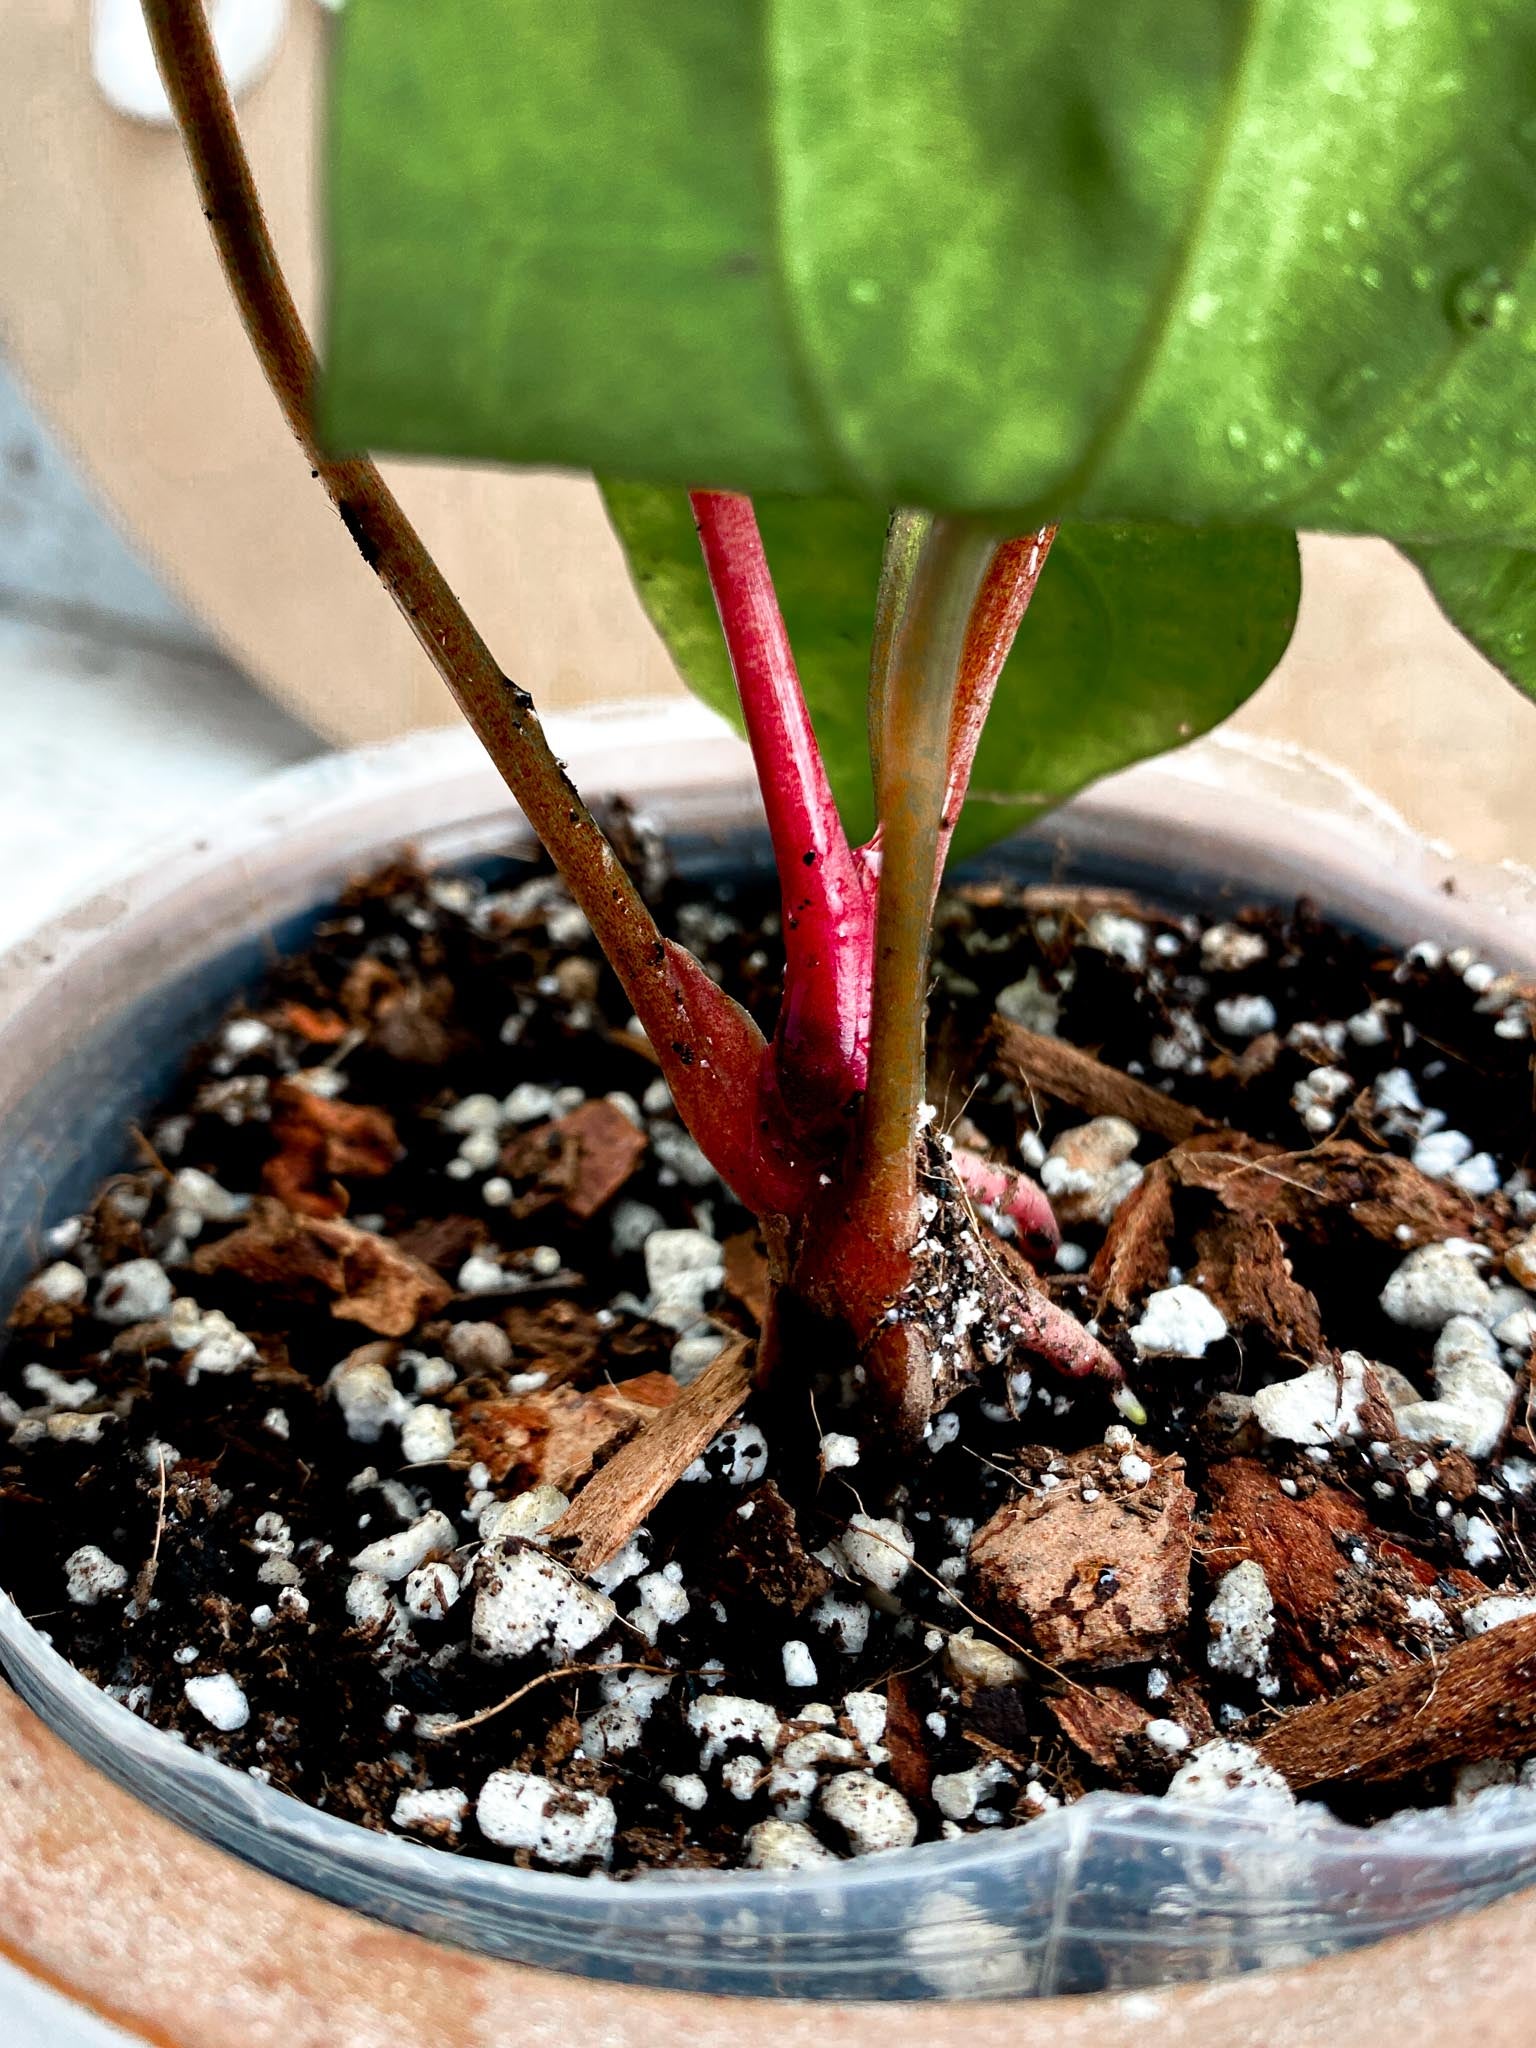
x=958 y=376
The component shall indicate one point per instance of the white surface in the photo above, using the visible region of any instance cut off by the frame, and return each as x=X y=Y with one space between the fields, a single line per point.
x=104 y=748
x=32 y=2016
x=246 y=34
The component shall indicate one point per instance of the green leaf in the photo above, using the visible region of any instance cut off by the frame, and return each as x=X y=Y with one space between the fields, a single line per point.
x=1137 y=638
x=1246 y=262
x=1489 y=594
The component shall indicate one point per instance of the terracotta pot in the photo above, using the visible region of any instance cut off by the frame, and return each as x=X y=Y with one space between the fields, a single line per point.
x=127 y=1913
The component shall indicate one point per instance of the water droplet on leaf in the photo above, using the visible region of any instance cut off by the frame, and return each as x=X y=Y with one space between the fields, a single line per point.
x=1483 y=299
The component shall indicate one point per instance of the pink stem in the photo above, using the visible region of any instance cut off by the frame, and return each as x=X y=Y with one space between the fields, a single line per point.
x=821 y=1051
x=999 y=610
x=1013 y=1195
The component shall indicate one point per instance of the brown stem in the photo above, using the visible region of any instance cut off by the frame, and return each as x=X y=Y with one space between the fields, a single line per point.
x=708 y=1048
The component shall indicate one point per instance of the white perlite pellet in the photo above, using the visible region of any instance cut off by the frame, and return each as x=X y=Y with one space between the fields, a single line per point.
x=1318 y=1096
x=1317 y=1407
x=1242 y=1618
x=845 y=1617
x=1030 y=1003
x=61 y=1284
x=1433 y=1284
x=1245 y=1016
x=528 y=1515
x=1167 y=1736
x=799 y=1665
x=682 y=1268
x=520 y=1810
x=1107 y=931
x=393 y=1557
x=839 y=1453
x=57 y=1391
x=1228 y=948
x=878 y=1550
x=866 y=1713
x=527 y=1601
x=431 y=1590
x=1178 y=1322
x=974 y=1661
x=1473 y=1393
x=784 y=1845
x=434 y=1809
x=727 y=1718
x=1089 y=1172
x=220 y=1701
x=426 y=1436
x=957 y=1794
x=135 y=1292
x=368 y=1600
x=90 y=1575
x=872 y=1815
x=692 y=1353
x=367 y=1397
x=202 y=1195
x=1226 y=1770
x=1493 y=1613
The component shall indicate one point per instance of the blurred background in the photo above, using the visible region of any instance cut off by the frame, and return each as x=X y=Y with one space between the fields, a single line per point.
x=181 y=614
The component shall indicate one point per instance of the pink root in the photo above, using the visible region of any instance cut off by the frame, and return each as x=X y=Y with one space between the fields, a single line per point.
x=1058 y=1339
x=1011 y=1194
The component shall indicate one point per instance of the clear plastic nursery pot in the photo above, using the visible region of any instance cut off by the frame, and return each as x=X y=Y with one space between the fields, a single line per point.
x=107 y=1890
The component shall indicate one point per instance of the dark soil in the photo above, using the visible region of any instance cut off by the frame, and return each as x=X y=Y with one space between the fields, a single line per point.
x=388 y=1262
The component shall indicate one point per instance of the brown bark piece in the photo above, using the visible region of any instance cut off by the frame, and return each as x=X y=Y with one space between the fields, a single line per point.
x=1137 y=1253
x=405 y=1019
x=363 y=1278
x=556 y=1434
x=1078 y=1079
x=760 y=1557
x=1332 y=1185
x=910 y=1767
x=560 y=1338
x=608 y=1151
x=616 y=1500
x=1091 y=1581
x=1254 y=1061
x=1476 y=1703
x=1241 y=1265
x=321 y=1141
x=1097 y=1720
x=1334 y=1618
x=443 y=1241
x=543 y=1165
x=746 y=1274
x=315 y=1027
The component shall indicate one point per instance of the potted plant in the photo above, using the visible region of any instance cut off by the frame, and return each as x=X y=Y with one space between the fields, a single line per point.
x=873 y=1263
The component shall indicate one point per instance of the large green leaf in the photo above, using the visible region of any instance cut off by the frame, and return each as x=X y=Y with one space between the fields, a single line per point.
x=1490 y=594
x=1241 y=261
x=1138 y=638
